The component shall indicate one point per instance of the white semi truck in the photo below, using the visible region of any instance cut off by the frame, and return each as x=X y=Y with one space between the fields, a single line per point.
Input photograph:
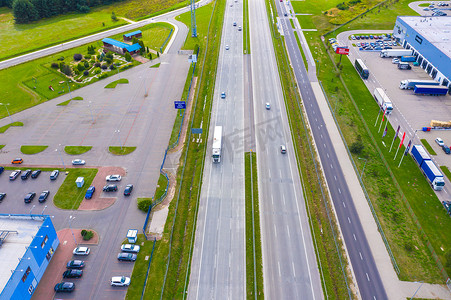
x=395 y=52
x=217 y=144
x=383 y=100
x=409 y=84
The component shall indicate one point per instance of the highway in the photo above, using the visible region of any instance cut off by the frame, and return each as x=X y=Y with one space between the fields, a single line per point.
x=362 y=261
x=289 y=262
x=218 y=262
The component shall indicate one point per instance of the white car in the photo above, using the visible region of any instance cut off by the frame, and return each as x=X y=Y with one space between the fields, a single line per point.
x=120 y=281
x=440 y=142
x=81 y=251
x=395 y=61
x=130 y=248
x=76 y=162
x=113 y=178
x=227 y=47
x=268 y=106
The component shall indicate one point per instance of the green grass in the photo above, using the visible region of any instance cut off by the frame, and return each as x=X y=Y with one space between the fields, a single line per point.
x=32 y=149
x=1 y=146
x=292 y=23
x=444 y=169
x=113 y=84
x=117 y=150
x=424 y=4
x=16 y=124
x=141 y=9
x=155 y=65
x=246 y=36
x=77 y=150
x=296 y=34
x=253 y=229
x=68 y=101
x=202 y=17
x=161 y=187
x=69 y=196
x=306 y=22
x=428 y=147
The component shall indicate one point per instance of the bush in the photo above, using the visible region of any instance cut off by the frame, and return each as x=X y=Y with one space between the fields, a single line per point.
x=86 y=72
x=128 y=57
x=83 y=232
x=78 y=57
x=357 y=147
x=55 y=65
x=83 y=9
x=342 y=6
x=97 y=64
x=86 y=64
x=80 y=67
x=61 y=58
x=97 y=71
x=104 y=66
x=109 y=55
x=112 y=67
x=103 y=75
x=109 y=60
x=143 y=204
x=66 y=70
x=87 y=234
x=88 y=56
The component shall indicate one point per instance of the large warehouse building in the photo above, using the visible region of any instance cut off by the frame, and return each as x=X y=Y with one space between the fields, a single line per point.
x=430 y=39
x=27 y=244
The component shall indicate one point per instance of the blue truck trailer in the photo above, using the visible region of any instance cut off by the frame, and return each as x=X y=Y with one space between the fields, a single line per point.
x=428 y=168
x=430 y=90
x=408 y=58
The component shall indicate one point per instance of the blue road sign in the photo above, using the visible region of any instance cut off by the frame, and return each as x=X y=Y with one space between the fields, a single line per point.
x=196 y=130
x=180 y=104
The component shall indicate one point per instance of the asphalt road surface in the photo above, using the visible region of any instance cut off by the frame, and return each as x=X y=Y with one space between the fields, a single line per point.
x=289 y=262
x=218 y=263
x=365 y=270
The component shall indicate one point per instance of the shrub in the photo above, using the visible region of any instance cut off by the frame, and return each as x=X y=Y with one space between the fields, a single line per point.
x=143 y=204
x=128 y=57
x=78 y=57
x=61 y=58
x=104 y=66
x=112 y=67
x=66 y=70
x=150 y=56
x=103 y=75
x=88 y=234
x=342 y=6
x=88 y=56
x=97 y=64
x=113 y=17
x=357 y=147
x=86 y=72
x=109 y=60
x=83 y=232
x=109 y=55
x=86 y=65
x=97 y=71
x=55 y=65
x=83 y=9
x=80 y=67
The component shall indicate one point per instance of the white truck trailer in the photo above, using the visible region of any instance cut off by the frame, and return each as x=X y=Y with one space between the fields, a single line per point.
x=395 y=52
x=409 y=84
x=217 y=144
x=383 y=100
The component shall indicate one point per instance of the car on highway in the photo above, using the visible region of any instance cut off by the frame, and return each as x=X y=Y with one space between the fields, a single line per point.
x=126 y=256
x=110 y=188
x=67 y=287
x=73 y=273
x=35 y=174
x=239 y=28
x=439 y=142
x=234 y=23
x=44 y=195
x=78 y=162
x=120 y=281
x=81 y=251
x=14 y=174
x=75 y=264
x=268 y=106
x=90 y=191
x=446 y=149
x=17 y=161
x=54 y=174
x=128 y=189
x=223 y=95
x=130 y=248
x=29 y=197
x=25 y=174
x=2 y=196
x=283 y=149
x=227 y=47
x=113 y=178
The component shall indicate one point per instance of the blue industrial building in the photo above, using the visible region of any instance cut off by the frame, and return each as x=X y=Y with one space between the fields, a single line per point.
x=27 y=244
x=430 y=40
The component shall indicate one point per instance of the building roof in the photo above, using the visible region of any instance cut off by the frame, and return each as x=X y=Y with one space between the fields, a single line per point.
x=437 y=30
x=133 y=33
x=15 y=245
x=133 y=47
x=122 y=45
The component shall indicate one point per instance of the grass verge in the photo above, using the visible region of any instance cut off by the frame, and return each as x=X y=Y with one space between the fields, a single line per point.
x=77 y=150
x=68 y=101
x=428 y=147
x=1 y=146
x=113 y=84
x=117 y=150
x=246 y=37
x=69 y=196
x=155 y=65
x=16 y=124
x=31 y=149
x=254 y=284
x=161 y=187
x=446 y=171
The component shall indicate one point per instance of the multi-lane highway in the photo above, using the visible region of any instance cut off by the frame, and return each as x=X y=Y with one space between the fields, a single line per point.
x=218 y=264
x=364 y=267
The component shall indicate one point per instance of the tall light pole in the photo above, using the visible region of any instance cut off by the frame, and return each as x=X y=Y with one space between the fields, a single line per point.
x=68 y=86
x=7 y=110
x=70 y=227
x=119 y=135
x=363 y=170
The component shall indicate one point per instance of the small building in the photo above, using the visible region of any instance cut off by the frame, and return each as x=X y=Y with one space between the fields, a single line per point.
x=129 y=36
x=120 y=47
x=132 y=235
x=80 y=182
x=27 y=244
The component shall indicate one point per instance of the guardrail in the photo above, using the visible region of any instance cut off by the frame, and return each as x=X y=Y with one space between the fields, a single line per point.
x=148 y=268
x=166 y=40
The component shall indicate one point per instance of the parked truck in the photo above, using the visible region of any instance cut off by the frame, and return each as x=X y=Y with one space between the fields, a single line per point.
x=430 y=90
x=409 y=84
x=428 y=168
x=404 y=66
x=383 y=100
x=408 y=58
x=395 y=52
x=217 y=144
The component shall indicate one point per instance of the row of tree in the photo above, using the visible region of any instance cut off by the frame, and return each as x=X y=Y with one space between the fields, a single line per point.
x=26 y=11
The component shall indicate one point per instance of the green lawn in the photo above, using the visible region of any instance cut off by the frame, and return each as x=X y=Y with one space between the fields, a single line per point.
x=32 y=149
x=77 y=150
x=113 y=84
x=4 y=128
x=155 y=65
x=161 y=187
x=118 y=150
x=69 y=196
x=1 y=146
x=446 y=171
x=68 y=101
x=202 y=17
x=428 y=147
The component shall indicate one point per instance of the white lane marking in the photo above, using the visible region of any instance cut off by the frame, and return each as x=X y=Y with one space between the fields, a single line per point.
x=294 y=271
x=275 y=230
x=283 y=198
x=367 y=277
x=354 y=237
x=269 y=173
x=361 y=256
x=272 y=200
x=288 y=231
x=278 y=265
x=349 y=220
x=339 y=190
x=335 y=178
x=344 y=204
x=324 y=145
x=327 y=155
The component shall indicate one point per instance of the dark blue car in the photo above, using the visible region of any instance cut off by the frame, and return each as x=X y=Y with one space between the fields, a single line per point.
x=90 y=192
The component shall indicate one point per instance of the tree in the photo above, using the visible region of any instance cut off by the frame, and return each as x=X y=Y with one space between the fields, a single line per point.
x=54 y=65
x=24 y=11
x=113 y=17
x=150 y=56
x=128 y=57
x=66 y=69
x=78 y=57
x=86 y=72
x=80 y=67
x=86 y=64
x=158 y=54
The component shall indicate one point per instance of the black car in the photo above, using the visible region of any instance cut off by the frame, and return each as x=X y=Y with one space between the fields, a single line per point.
x=43 y=196
x=126 y=256
x=35 y=173
x=75 y=264
x=2 y=196
x=67 y=287
x=72 y=274
x=25 y=174
x=128 y=189
x=110 y=188
x=29 y=197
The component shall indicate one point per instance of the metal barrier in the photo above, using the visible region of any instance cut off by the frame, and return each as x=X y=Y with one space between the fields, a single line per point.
x=147 y=221
x=165 y=41
x=148 y=268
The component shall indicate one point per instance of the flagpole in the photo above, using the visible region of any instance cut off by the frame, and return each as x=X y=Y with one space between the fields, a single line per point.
x=402 y=157
x=396 y=153
x=382 y=121
x=396 y=135
x=400 y=143
x=405 y=152
x=378 y=113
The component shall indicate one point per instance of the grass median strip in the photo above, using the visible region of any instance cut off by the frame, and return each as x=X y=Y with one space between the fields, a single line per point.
x=246 y=37
x=118 y=150
x=31 y=149
x=68 y=101
x=77 y=150
x=113 y=84
x=6 y=127
x=254 y=264
x=428 y=147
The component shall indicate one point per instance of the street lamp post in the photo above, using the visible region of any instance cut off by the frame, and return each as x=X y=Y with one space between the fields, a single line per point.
x=32 y=209
x=7 y=110
x=363 y=170
x=70 y=227
x=119 y=135
x=68 y=86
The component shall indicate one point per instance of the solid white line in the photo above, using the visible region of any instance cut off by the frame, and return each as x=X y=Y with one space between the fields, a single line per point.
x=361 y=256
x=275 y=230
x=339 y=190
x=349 y=220
x=288 y=231
x=354 y=237
x=278 y=265
x=344 y=204
x=294 y=271
x=367 y=277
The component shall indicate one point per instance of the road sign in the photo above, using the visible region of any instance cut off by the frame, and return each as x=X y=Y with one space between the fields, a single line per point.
x=342 y=50
x=180 y=104
x=196 y=130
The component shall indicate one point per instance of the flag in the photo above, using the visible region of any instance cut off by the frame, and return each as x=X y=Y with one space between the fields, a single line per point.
x=397 y=131
x=383 y=116
x=385 y=131
x=402 y=140
x=408 y=148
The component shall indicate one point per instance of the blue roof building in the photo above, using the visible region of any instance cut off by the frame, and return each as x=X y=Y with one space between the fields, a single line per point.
x=131 y=35
x=120 y=47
